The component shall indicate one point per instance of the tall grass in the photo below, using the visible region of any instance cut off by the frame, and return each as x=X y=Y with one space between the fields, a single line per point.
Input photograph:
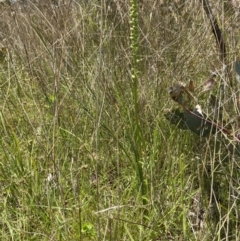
x=86 y=151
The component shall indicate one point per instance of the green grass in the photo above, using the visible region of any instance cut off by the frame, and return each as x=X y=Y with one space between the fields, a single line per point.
x=86 y=152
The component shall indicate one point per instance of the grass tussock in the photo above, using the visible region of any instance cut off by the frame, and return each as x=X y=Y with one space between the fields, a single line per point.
x=86 y=152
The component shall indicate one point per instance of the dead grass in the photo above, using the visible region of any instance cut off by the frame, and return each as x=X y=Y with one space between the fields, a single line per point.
x=67 y=131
